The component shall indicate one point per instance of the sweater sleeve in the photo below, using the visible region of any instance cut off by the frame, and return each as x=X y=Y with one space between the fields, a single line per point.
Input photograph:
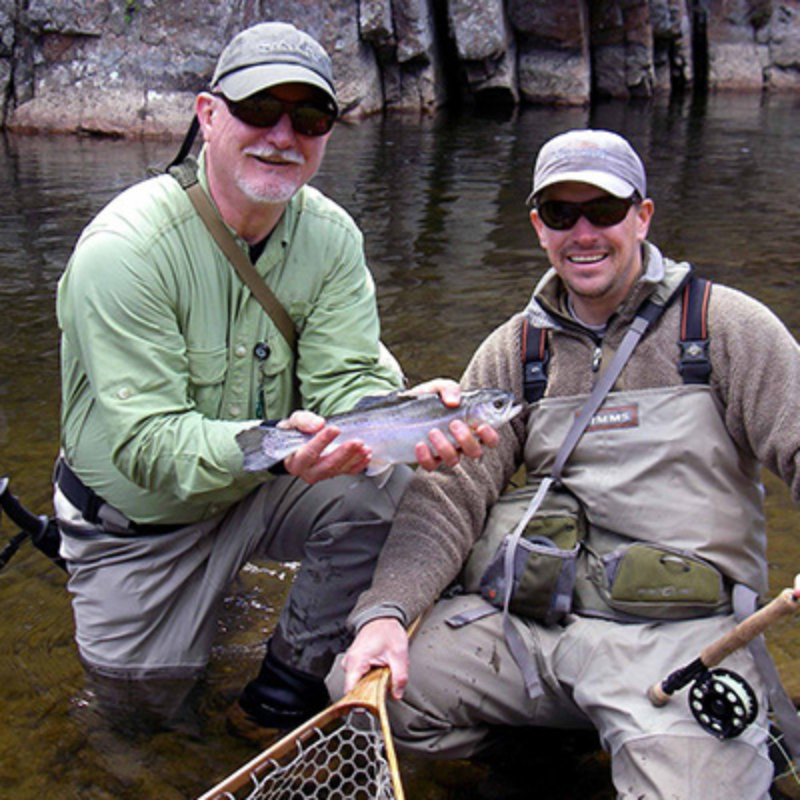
x=756 y=371
x=442 y=513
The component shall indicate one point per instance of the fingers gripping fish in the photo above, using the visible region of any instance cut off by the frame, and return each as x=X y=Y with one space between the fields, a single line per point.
x=390 y=426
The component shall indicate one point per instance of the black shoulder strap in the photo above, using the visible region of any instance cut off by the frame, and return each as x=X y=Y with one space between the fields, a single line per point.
x=186 y=144
x=694 y=364
x=535 y=361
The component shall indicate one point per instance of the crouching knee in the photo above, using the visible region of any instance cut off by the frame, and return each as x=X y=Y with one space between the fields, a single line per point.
x=668 y=766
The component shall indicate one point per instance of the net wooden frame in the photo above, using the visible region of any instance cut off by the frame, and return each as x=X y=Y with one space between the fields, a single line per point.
x=343 y=753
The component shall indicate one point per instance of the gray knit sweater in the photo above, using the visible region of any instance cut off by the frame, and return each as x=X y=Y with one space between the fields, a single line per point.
x=755 y=376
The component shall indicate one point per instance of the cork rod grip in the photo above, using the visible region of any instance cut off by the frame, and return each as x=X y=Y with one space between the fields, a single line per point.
x=784 y=605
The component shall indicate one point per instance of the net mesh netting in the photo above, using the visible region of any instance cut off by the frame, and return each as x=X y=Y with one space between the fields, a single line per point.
x=346 y=760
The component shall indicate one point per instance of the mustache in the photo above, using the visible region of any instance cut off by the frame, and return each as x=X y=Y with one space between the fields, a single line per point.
x=290 y=156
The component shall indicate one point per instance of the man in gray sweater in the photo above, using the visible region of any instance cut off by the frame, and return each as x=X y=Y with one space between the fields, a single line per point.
x=634 y=553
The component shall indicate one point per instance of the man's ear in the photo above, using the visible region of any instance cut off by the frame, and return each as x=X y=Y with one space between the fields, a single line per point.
x=205 y=108
x=538 y=226
x=644 y=215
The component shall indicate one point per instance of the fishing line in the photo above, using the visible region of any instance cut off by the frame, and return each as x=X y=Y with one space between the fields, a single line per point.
x=776 y=742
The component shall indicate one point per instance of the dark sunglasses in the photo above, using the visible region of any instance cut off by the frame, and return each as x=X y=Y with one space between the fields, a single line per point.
x=602 y=212
x=262 y=110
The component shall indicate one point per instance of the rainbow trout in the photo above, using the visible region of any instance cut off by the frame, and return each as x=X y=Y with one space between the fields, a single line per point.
x=390 y=426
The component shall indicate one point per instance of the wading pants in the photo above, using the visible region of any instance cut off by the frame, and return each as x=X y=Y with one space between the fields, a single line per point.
x=595 y=673
x=147 y=606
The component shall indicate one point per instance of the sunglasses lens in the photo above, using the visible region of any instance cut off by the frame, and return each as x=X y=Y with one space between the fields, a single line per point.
x=312 y=120
x=606 y=211
x=258 y=111
x=558 y=215
x=264 y=111
x=602 y=212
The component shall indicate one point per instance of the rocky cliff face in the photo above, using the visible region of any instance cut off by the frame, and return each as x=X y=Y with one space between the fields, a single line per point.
x=132 y=67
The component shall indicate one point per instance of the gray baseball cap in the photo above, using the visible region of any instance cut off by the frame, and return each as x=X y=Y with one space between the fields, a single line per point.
x=600 y=158
x=268 y=54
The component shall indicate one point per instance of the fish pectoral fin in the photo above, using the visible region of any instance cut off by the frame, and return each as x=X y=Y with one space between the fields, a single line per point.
x=380 y=473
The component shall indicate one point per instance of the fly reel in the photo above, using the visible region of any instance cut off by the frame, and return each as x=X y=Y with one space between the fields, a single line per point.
x=723 y=703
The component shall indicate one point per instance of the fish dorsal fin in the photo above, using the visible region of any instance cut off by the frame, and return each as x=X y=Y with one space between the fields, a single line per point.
x=391 y=400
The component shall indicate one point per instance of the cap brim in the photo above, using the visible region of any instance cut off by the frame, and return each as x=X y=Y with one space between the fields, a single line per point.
x=244 y=82
x=602 y=180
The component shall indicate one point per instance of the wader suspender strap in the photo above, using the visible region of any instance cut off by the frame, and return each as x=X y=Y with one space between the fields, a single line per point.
x=645 y=317
x=186 y=175
x=694 y=364
x=535 y=360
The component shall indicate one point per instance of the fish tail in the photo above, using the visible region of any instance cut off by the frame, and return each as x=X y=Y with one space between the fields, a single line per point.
x=261 y=447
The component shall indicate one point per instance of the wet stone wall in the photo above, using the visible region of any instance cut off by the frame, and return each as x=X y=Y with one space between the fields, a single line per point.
x=132 y=67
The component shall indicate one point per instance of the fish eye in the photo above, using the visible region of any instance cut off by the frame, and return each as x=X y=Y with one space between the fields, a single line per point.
x=498 y=404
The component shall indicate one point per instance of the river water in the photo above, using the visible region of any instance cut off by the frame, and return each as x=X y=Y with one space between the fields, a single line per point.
x=441 y=202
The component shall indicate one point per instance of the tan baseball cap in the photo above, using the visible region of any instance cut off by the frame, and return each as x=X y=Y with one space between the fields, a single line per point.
x=597 y=157
x=269 y=54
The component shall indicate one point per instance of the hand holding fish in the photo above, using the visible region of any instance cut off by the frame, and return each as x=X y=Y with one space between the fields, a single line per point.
x=439 y=449
x=311 y=462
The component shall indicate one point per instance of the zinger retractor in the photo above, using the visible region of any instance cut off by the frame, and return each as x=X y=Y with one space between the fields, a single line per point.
x=723 y=703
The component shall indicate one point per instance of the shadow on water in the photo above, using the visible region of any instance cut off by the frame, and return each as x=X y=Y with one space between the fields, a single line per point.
x=442 y=205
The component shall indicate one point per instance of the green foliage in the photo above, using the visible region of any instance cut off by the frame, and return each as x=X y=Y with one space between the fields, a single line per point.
x=131 y=7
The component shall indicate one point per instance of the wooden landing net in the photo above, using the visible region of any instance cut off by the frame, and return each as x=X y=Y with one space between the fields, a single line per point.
x=343 y=753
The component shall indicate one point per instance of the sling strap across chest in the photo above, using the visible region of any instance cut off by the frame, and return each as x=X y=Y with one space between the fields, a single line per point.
x=186 y=175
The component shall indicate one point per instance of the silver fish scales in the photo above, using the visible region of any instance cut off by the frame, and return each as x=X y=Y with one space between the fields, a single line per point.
x=390 y=426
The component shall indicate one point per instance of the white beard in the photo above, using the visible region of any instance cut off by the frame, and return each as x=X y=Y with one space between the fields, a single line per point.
x=272 y=193
x=275 y=189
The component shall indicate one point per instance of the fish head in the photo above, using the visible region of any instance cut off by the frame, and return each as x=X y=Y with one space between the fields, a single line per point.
x=489 y=407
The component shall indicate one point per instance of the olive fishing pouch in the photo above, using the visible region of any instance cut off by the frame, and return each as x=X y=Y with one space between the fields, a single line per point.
x=543 y=568
x=644 y=580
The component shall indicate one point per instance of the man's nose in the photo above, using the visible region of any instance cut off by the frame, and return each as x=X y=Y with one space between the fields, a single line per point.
x=282 y=133
x=583 y=229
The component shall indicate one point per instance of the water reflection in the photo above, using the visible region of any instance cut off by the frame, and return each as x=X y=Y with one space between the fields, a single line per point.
x=441 y=203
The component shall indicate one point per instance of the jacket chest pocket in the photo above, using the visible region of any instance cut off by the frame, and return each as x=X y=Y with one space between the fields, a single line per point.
x=207 y=370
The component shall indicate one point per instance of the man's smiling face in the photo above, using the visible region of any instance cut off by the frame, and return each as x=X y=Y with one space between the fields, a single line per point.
x=261 y=165
x=598 y=265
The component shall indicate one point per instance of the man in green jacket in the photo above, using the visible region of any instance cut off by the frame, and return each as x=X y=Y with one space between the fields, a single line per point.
x=167 y=356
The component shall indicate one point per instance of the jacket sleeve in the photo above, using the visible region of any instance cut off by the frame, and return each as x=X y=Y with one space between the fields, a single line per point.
x=443 y=513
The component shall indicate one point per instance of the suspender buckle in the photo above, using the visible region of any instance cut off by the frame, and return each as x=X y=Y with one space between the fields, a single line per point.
x=695 y=364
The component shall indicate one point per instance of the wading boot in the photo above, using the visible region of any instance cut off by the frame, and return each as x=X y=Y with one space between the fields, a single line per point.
x=277 y=701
